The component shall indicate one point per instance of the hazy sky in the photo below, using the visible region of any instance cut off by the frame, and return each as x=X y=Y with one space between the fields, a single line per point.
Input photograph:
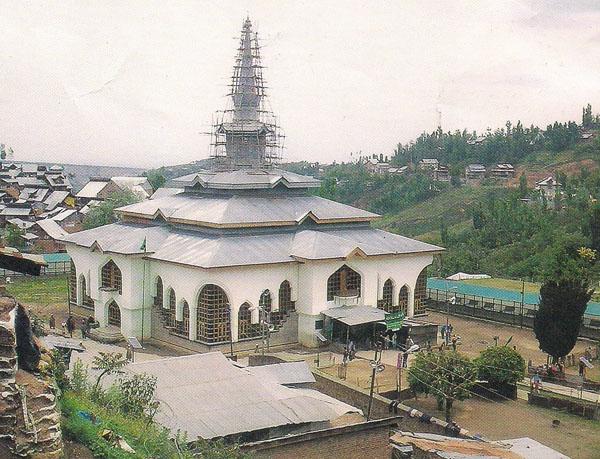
x=137 y=82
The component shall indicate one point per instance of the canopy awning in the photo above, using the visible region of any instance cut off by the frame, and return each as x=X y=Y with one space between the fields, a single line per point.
x=356 y=315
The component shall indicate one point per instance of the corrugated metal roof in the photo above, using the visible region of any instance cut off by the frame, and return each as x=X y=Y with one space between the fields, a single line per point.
x=207 y=396
x=55 y=198
x=247 y=179
x=244 y=210
x=211 y=251
x=285 y=372
x=356 y=315
x=91 y=189
x=51 y=228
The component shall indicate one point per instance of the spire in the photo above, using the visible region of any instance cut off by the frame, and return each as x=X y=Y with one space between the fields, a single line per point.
x=246 y=135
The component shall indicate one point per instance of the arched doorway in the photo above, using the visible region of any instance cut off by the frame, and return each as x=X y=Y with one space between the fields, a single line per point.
x=246 y=329
x=114 y=314
x=111 y=277
x=86 y=300
x=403 y=300
x=213 y=317
x=183 y=327
x=387 y=298
x=170 y=313
x=158 y=294
x=421 y=293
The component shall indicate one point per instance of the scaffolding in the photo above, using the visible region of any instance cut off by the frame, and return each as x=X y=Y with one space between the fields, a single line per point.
x=246 y=133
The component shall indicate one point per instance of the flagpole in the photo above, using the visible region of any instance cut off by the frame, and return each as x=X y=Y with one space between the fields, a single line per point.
x=143 y=288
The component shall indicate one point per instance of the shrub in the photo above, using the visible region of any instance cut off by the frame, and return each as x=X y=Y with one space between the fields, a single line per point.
x=500 y=365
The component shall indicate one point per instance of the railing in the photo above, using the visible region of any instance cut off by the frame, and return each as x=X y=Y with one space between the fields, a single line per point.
x=504 y=311
x=348 y=299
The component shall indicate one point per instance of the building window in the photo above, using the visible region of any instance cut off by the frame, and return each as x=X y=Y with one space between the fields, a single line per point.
x=403 y=300
x=387 y=299
x=158 y=296
x=86 y=300
x=246 y=329
x=170 y=313
x=421 y=292
x=73 y=283
x=114 y=314
x=183 y=327
x=213 y=321
x=285 y=298
x=111 y=277
x=344 y=282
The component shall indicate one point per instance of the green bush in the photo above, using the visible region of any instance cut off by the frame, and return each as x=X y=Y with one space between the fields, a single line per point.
x=500 y=365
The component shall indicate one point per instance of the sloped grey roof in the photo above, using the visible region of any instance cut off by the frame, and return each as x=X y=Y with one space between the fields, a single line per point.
x=166 y=191
x=243 y=210
x=207 y=396
x=51 y=228
x=356 y=315
x=284 y=373
x=16 y=211
x=55 y=198
x=92 y=188
x=211 y=251
x=247 y=179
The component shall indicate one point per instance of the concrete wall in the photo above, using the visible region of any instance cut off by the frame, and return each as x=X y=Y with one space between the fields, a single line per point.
x=242 y=284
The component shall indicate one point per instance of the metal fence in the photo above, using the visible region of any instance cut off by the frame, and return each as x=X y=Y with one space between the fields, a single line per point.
x=54 y=268
x=498 y=310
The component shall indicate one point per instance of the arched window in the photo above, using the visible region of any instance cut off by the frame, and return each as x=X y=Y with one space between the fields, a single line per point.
x=114 y=314
x=285 y=298
x=183 y=327
x=86 y=300
x=344 y=282
x=403 y=300
x=387 y=299
x=265 y=301
x=246 y=329
x=158 y=295
x=111 y=277
x=73 y=283
x=421 y=292
x=213 y=321
x=170 y=313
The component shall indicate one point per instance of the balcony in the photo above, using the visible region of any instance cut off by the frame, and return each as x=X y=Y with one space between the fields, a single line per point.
x=348 y=298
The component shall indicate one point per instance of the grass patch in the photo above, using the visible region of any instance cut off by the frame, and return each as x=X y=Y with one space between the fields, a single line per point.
x=148 y=439
x=41 y=290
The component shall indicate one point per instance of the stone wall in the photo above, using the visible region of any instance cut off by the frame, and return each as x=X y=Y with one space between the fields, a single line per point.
x=29 y=418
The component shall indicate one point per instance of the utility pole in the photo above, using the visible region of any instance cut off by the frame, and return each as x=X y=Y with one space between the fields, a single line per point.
x=522 y=300
x=376 y=364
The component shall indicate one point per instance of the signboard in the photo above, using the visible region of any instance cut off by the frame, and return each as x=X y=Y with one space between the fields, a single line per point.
x=394 y=320
x=134 y=343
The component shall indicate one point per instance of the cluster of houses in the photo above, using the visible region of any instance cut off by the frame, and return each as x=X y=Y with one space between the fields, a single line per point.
x=41 y=202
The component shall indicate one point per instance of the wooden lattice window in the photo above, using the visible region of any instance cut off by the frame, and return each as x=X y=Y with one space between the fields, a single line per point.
x=265 y=302
x=213 y=321
x=387 y=297
x=111 y=277
x=86 y=300
x=73 y=283
x=285 y=298
x=246 y=329
x=421 y=292
x=403 y=300
x=344 y=282
x=114 y=314
x=158 y=295
x=170 y=313
x=183 y=326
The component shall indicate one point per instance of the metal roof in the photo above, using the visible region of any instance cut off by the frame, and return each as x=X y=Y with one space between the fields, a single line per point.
x=247 y=179
x=51 y=228
x=63 y=214
x=210 y=251
x=55 y=198
x=356 y=315
x=92 y=188
x=207 y=396
x=284 y=373
x=166 y=191
x=211 y=210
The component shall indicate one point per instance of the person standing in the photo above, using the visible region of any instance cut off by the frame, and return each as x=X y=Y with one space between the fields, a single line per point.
x=52 y=322
x=454 y=342
x=582 y=369
x=70 y=325
x=443 y=332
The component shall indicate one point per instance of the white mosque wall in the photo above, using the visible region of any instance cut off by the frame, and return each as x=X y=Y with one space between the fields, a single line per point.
x=242 y=284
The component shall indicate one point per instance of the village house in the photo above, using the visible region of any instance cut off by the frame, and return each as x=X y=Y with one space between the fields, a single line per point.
x=502 y=171
x=441 y=174
x=100 y=188
x=428 y=164
x=246 y=250
x=475 y=172
x=548 y=188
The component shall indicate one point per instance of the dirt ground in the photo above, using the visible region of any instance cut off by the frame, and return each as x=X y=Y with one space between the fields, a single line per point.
x=576 y=437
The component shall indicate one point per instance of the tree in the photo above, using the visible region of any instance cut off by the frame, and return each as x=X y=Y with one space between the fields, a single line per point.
x=104 y=213
x=444 y=236
x=558 y=319
x=448 y=376
x=523 y=185
x=500 y=365
x=595 y=228
x=108 y=363
x=13 y=236
x=156 y=177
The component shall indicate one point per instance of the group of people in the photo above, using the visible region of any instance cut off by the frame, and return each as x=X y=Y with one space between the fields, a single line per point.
x=449 y=337
x=69 y=325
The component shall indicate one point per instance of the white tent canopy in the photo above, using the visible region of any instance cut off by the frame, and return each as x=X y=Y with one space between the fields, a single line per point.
x=463 y=276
